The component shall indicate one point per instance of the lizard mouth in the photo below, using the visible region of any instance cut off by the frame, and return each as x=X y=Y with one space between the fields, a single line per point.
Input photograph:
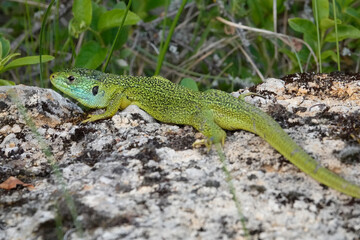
x=68 y=90
x=59 y=84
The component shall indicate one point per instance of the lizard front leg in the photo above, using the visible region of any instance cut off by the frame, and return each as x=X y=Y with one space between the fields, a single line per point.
x=118 y=102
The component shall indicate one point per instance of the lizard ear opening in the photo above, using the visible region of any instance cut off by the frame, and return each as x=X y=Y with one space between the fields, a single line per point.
x=95 y=90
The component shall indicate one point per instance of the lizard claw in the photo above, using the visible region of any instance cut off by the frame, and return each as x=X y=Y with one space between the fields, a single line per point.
x=91 y=118
x=208 y=142
x=198 y=143
x=201 y=142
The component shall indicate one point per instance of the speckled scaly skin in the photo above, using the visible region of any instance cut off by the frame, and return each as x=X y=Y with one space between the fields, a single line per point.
x=209 y=112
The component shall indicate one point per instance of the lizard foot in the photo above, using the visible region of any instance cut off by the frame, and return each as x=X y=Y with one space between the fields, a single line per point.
x=92 y=118
x=208 y=142
x=201 y=142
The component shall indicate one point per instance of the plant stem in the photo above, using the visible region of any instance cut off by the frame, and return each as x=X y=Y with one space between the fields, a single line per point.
x=228 y=179
x=117 y=36
x=336 y=36
x=166 y=45
x=318 y=33
x=41 y=40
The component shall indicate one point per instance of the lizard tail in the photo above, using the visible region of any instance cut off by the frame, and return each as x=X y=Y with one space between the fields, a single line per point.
x=232 y=114
x=263 y=125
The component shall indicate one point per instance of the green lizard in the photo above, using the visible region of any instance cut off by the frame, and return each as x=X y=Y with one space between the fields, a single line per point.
x=209 y=112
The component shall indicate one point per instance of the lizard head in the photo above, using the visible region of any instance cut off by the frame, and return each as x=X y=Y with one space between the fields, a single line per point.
x=84 y=85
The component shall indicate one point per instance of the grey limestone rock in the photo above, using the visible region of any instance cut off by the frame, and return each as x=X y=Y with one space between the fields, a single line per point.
x=131 y=177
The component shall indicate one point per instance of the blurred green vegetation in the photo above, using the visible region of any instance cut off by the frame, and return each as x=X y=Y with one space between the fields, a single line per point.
x=80 y=33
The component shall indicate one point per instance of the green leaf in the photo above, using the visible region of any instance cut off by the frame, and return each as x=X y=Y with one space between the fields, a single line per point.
x=261 y=11
x=91 y=55
x=189 y=83
x=6 y=83
x=7 y=58
x=27 y=61
x=82 y=11
x=304 y=26
x=143 y=8
x=98 y=10
x=76 y=27
x=289 y=54
x=322 y=7
x=110 y=34
x=114 y=17
x=353 y=13
x=344 y=32
x=5 y=47
x=329 y=53
x=120 y=5
x=312 y=42
x=327 y=23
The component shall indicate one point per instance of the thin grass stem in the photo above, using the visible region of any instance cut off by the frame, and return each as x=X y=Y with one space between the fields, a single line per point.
x=336 y=36
x=318 y=33
x=117 y=37
x=228 y=179
x=168 y=38
x=42 y=84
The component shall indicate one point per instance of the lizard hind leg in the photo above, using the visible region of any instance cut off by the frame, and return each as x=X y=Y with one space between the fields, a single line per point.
x=204 y=123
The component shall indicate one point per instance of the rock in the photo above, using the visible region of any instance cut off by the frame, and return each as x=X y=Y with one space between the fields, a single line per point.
x=131 y=177
x=46 y=106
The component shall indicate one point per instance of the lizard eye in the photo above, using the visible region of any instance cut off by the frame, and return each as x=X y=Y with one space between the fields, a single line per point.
x=95 y=90
x=71 y=78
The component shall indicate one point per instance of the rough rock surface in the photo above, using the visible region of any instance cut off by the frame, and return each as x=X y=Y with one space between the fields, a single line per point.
x=131 y=177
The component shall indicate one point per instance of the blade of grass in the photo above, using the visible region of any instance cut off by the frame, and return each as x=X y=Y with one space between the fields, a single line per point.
x=164 y=24
x=336 y=36
x=318 y=32
x=275 y=28
x=228 y=179
x=57 y=30
x=166 y=45
x=299 y=61
x=293 y=49
x=222 y=72
x=250 y=61
x=28 y=26
x=197 y=25
x=44 y=147
x=280 y=36
x=58 y=222
x=180 y=71
x=203 y=37
x=29 y=43
x=42 y=84
x=117 y=37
